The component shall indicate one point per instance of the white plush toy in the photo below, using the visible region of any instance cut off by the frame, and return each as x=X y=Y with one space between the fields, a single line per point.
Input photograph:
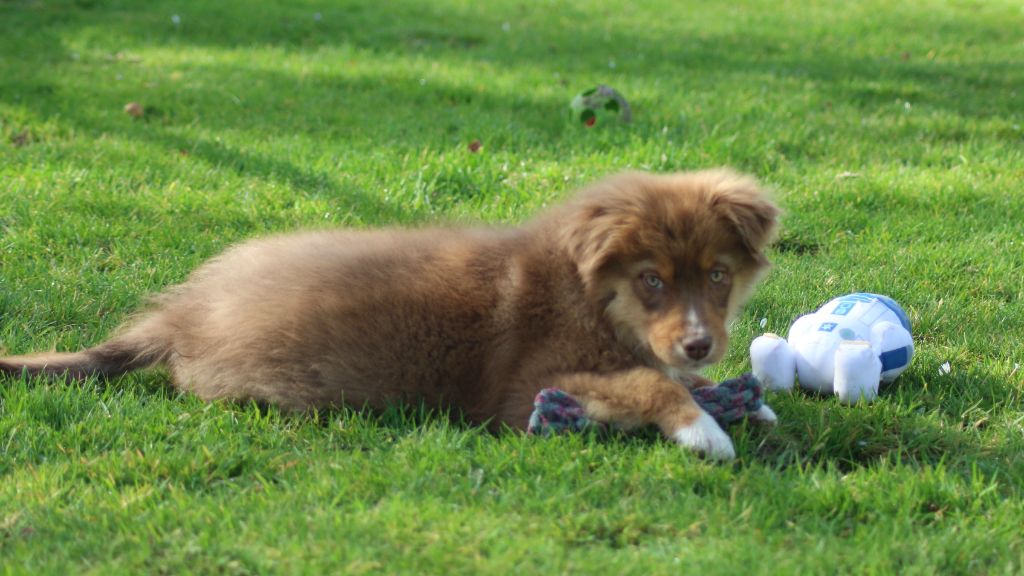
x=847 y=347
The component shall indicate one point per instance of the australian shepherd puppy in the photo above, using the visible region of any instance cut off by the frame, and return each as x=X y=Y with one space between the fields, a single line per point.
x=620 y=297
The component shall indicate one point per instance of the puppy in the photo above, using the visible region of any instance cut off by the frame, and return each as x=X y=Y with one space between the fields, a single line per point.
x=619 y=297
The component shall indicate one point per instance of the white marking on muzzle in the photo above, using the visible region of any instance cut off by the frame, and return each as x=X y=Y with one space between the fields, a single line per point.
x=695 y=327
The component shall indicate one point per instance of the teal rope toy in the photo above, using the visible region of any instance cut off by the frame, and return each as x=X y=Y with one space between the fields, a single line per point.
x=556 y=411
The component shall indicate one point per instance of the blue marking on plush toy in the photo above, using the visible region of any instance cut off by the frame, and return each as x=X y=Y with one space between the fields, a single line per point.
x=889 y=303
x=844 y=308
x=895 y=358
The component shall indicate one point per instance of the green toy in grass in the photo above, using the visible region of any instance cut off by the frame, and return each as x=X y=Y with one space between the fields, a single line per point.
x=594 y=105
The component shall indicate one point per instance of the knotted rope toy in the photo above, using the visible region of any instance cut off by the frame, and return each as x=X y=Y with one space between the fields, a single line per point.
x=556 y=411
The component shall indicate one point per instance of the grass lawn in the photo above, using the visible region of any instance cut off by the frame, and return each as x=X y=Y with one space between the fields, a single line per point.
x=891 y=131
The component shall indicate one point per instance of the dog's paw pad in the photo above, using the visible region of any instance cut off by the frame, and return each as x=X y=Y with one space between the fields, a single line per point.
x=705 y=436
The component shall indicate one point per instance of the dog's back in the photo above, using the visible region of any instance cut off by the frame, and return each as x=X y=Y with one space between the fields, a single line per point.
x=361 y=318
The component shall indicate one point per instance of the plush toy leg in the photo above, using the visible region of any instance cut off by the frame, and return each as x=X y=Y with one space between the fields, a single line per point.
x=644 y=396
x=895 y=347
x=764 y=415
x=858 y=371
x=773 y=362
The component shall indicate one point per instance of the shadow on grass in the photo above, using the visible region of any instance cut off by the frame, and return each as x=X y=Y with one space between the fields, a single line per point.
x=387 y=110
x=908 y=425
x=814 y=432
x=397 y=110
x=517 y=38
x=471 y=35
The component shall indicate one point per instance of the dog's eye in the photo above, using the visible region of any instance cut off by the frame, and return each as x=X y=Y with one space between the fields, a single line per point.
x=653 y=281
x=717 y=276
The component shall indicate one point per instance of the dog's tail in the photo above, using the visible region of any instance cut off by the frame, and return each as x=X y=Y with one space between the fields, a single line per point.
x=141 y=346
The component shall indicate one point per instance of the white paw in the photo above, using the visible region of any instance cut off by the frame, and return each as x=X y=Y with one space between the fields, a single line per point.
x=707 y=437
x=764 y=415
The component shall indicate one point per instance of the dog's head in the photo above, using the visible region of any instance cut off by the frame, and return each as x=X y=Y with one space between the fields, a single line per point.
x=671 y=259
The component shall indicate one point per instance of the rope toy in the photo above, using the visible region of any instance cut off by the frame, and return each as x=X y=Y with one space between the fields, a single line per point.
x=556 y=411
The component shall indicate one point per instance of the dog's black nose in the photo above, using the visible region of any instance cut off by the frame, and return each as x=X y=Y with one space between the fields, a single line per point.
x=697 y=348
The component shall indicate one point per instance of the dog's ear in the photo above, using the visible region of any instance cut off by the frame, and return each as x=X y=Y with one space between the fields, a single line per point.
x=590 y=238
x=745 y=206
x=600 y=223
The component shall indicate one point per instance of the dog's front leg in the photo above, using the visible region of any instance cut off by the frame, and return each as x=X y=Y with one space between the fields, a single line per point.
x=642 y=396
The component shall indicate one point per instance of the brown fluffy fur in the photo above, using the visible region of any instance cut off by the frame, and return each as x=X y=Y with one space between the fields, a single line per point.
x=476 y=319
